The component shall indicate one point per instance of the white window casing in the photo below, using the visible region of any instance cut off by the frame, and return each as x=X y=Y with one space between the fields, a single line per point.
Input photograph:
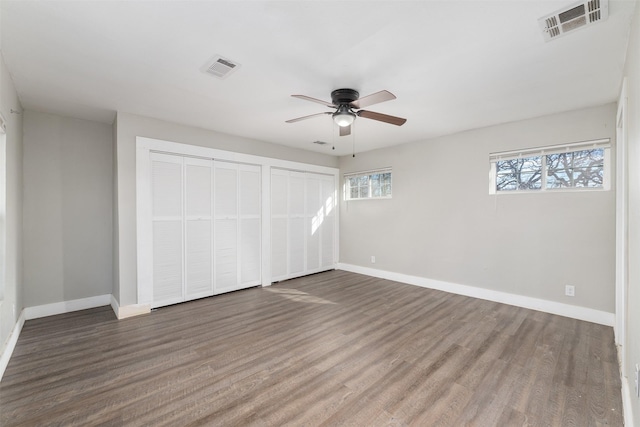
x=371 y=184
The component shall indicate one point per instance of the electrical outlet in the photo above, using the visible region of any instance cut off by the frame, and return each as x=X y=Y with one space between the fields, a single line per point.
x=570 y=290
x=636 y=381
x=373 y=259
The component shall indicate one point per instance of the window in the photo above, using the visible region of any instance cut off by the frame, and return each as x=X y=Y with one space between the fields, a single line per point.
x=581 y=166
x=368 y=185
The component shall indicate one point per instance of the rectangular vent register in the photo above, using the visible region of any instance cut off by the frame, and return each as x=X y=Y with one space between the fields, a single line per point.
x=573 y=17
x=220 y=67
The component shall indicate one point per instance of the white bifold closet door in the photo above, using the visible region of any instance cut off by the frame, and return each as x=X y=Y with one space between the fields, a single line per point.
x=302 y=223
x=205 y=227
x=237 y=225
x=182 y=228
x=198 y=222
x=167 y=228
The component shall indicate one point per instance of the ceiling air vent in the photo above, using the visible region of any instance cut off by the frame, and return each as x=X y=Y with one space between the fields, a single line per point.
x=220 y=67
x=573 y=17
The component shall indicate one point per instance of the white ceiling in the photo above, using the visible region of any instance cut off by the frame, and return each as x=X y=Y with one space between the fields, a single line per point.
x=454 y=65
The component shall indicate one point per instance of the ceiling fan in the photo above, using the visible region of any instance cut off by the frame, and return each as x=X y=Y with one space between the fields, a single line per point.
x=348 y=104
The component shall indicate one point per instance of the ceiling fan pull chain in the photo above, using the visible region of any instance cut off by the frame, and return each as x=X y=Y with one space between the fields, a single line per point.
x=353 y=139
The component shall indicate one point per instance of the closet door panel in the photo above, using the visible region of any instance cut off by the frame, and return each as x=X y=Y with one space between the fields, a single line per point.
x=226 y=189
x=278 y=248
x=250 y=190
x=279 y=223
x=250 y=252
x=198 y=228
x=313 y=246
x=198 y=259
x=199 y=190
x=314 y=221
x=249 y=232
x=296 y=194
x=328 y=232
x=226 y=226
x=296 y=246
x=226 y=255
x=167 y=238
x=279 y=193
x=167 y=262
x=166 y=186
x=297 y=242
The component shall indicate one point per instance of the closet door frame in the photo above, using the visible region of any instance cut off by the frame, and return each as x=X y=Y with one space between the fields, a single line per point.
x=143 y=227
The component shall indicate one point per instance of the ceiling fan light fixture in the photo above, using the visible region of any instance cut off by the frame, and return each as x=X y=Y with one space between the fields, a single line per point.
x=343 y=117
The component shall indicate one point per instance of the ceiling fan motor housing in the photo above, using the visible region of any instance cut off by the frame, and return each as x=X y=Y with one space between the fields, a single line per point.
x=344 y=96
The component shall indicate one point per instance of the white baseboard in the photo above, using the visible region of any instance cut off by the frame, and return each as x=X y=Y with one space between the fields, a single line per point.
x=66 y=306
x=626 y=402
x=61 y=308
x=553 y=307
x=10 y=345
x=129 y=310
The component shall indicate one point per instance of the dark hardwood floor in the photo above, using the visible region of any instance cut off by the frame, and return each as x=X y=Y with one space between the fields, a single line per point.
x=331 y=349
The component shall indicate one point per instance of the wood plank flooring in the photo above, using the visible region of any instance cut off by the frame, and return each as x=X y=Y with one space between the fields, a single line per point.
x=335 y=348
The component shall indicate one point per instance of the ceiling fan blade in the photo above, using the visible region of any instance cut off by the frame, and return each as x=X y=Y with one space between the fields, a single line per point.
x=398 y=121
x=374 y=98
x=319 y=101
x=346 y=130
x=307 y=117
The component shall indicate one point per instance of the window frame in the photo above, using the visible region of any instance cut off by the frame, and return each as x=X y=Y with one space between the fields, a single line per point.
x=543 y=152
x=347 y=184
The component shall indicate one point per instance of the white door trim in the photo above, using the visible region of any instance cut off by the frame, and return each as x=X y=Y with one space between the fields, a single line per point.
x=622 y=201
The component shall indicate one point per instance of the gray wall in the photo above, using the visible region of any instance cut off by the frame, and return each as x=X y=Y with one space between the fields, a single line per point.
x=632 y=339
x=130 y=126
x=12 y=302
x=442 y=224
x=68 y=196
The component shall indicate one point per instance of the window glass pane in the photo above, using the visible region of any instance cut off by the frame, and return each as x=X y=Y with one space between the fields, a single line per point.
x=531 y=164
x=530 y=181
x=354 y=193
x=588 y=158
x=519 y=174
x=558 y=179
x=577 y=169
x=375 y=187
x=353 y=182
x=386 y=190
x=588 y=177
x=559 y=161
x=506 y=182
x=506 y=165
